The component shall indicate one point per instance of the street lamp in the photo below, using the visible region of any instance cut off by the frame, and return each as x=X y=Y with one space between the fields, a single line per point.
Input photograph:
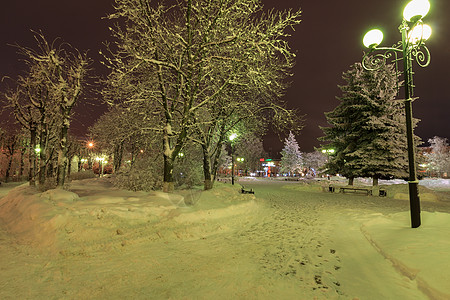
x=90 y=147
x=411 y=47
x=328 y=153
x=101 y=160
x=232 y=137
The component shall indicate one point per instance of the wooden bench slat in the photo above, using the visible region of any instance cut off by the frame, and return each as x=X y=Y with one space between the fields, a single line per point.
x=367 y=191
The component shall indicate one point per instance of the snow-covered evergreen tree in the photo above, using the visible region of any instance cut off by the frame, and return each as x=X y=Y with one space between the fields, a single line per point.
x=291 y=160
x=368 y=126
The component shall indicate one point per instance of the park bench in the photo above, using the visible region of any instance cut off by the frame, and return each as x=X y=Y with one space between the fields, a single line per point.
x=355 y=190
x=292 y=179
x=246 y=191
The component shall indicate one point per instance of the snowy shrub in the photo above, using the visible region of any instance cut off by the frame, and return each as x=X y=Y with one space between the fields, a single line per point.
x=188 y=169
x=144 y=175
x=82 y=175
x=49 y=184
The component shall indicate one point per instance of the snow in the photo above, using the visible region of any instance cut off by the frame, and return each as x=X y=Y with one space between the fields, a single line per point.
x=291 y=240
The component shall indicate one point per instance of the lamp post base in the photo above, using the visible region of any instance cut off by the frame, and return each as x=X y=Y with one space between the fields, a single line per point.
x=414 y=202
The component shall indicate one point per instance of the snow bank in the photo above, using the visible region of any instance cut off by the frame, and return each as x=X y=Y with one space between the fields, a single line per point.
x=60 y=219
x=30 y=216
x=417 y=253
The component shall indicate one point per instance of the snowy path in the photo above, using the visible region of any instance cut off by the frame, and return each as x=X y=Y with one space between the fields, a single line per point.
x=320 y=244
x=285 y=244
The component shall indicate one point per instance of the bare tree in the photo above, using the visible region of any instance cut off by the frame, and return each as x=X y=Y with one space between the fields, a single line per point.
x=194 y=54
x=9 y=142
x=45 y=96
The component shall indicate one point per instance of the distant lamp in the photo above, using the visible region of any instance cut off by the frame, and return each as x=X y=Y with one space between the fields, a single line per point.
x=420 y=32
x=37 y=150
x=373 y=38
x=233 y=136
x=416 y=10
x=328 y=151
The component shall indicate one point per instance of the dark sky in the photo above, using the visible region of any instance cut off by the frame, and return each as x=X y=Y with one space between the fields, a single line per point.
x=327 y=42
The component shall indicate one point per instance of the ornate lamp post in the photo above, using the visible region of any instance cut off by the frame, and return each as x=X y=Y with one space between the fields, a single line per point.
x=411 y=47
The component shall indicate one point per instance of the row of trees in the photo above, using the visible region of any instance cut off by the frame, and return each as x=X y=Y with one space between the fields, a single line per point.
x=20 y=161
x=181 y=75
x=42 y=102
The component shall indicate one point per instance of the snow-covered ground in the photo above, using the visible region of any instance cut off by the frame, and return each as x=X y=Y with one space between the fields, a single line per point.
x=291 y=240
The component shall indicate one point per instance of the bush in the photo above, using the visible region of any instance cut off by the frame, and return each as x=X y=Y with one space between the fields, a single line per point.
x=49 y=184
x=188 y=169
x=144 y=175
x=82 y=175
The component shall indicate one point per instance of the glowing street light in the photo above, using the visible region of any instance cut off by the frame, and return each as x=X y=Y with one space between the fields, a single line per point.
x=412 y=47
x=373 y=38
x=416 y=10
x=101 y=160
x=328 y=151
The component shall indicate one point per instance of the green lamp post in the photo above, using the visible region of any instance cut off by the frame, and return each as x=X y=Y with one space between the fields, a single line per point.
x=232 y=137
x=411 y=47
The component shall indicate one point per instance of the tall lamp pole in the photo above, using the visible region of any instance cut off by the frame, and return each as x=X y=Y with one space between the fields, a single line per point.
x=411 y=47
x=232 y=137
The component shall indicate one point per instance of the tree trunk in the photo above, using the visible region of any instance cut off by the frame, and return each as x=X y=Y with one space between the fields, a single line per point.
x=375 y=180
x=62 y=158
x=118 y=154
x=42 y=157
x=209 y=178
x=69 y=166
x=8 y=168
x=168 y=185
x=21 y=163
x=170 y=152
x=350 y=180
x=32 y=156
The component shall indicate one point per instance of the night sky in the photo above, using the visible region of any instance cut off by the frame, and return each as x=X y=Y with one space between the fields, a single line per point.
x=327 y=42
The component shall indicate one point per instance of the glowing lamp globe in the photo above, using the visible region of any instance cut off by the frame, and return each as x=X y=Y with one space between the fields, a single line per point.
x=416 y=10
x=421 y=32
x=373 y=38
x=233 y=136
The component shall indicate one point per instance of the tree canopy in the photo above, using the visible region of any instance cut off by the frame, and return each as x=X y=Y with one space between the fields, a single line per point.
x=203 y=66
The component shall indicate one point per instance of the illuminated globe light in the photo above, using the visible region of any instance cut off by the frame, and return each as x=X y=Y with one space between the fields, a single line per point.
x=373 y=38
x=421 y=32
x=233 y=136
x=415 y=10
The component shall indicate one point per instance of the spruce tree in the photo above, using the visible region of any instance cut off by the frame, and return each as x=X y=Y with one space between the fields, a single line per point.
x=368 y=126
x=291 y=160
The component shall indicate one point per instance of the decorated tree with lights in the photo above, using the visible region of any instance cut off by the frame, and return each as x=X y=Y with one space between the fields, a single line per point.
x=314 y=161
x=367 y=127
x=291 y=157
